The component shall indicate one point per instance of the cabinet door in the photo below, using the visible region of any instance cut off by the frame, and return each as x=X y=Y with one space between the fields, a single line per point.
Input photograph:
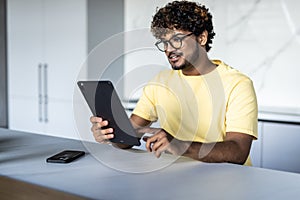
x=60 y=120
x=281 y=149
x=65 y=51
x=24 y=115
x=24 y=20
x=43 y=33
x=65 y=45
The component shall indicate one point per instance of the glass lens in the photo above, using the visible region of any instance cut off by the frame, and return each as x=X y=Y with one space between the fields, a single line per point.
x=162 y=45
x=176 y=42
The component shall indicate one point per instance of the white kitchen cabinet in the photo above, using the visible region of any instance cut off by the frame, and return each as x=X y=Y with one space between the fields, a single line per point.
x=277 y=146
x=46 y=48
x=281 y=149
x=24 y=27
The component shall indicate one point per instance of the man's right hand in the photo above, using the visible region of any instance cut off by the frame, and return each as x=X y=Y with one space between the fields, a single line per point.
x=101 y=135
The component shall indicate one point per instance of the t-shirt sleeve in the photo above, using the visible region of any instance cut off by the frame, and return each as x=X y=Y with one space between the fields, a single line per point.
x=241 y=113
x=145 y=107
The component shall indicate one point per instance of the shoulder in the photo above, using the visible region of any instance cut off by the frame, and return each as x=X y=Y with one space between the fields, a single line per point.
x=230 y=75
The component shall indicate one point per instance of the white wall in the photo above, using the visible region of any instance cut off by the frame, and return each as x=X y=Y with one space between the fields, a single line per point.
x=259 y=37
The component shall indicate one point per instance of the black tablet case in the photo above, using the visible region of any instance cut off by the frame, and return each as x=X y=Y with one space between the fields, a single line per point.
x=104 y=102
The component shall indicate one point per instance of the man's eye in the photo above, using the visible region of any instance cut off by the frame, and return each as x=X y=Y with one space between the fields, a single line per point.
x=176 y=39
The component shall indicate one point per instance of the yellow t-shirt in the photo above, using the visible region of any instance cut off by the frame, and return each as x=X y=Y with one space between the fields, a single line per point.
x=201 y=108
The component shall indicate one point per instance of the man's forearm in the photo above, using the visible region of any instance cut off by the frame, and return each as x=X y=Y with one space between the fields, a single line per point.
x=227 y=151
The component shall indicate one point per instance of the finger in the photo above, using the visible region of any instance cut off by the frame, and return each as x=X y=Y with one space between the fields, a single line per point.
x=160 y=150
x=101 y=132
x=103 y=123
x=149 y=142
x=98 y=120
x=160 y=146
x=103 y=138
x=94 y=119
x=98 y=125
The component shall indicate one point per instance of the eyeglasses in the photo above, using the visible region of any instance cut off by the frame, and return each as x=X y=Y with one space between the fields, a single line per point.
x=175 y=41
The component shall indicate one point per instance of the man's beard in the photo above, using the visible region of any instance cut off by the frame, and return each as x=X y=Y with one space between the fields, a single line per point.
x=188 y=63
x=185 y=65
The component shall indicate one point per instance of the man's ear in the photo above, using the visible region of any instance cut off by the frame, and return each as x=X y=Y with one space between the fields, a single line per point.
x=202 y=38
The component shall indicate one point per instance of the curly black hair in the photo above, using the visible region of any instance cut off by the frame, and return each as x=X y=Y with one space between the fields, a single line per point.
x=186 y=16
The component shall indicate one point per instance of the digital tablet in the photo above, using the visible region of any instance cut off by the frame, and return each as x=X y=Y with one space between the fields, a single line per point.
x=104 y=102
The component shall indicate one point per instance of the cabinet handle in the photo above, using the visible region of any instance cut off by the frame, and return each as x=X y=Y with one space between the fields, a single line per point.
x=46 y=93
x=40 y=91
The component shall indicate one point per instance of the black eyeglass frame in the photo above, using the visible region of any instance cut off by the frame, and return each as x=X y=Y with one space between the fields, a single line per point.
x=166 y=42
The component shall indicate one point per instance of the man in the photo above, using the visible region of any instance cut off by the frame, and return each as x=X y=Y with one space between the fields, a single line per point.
x=206 y=109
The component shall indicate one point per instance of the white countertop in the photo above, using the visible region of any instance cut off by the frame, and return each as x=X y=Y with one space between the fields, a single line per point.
x=23 y=155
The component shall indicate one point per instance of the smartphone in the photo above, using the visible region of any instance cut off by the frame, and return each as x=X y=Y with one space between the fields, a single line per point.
x=65 y=156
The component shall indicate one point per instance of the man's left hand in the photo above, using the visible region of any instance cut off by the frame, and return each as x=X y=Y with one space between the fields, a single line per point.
x=160 y=141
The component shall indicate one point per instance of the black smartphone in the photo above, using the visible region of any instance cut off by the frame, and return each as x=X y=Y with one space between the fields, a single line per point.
x=65 y=156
